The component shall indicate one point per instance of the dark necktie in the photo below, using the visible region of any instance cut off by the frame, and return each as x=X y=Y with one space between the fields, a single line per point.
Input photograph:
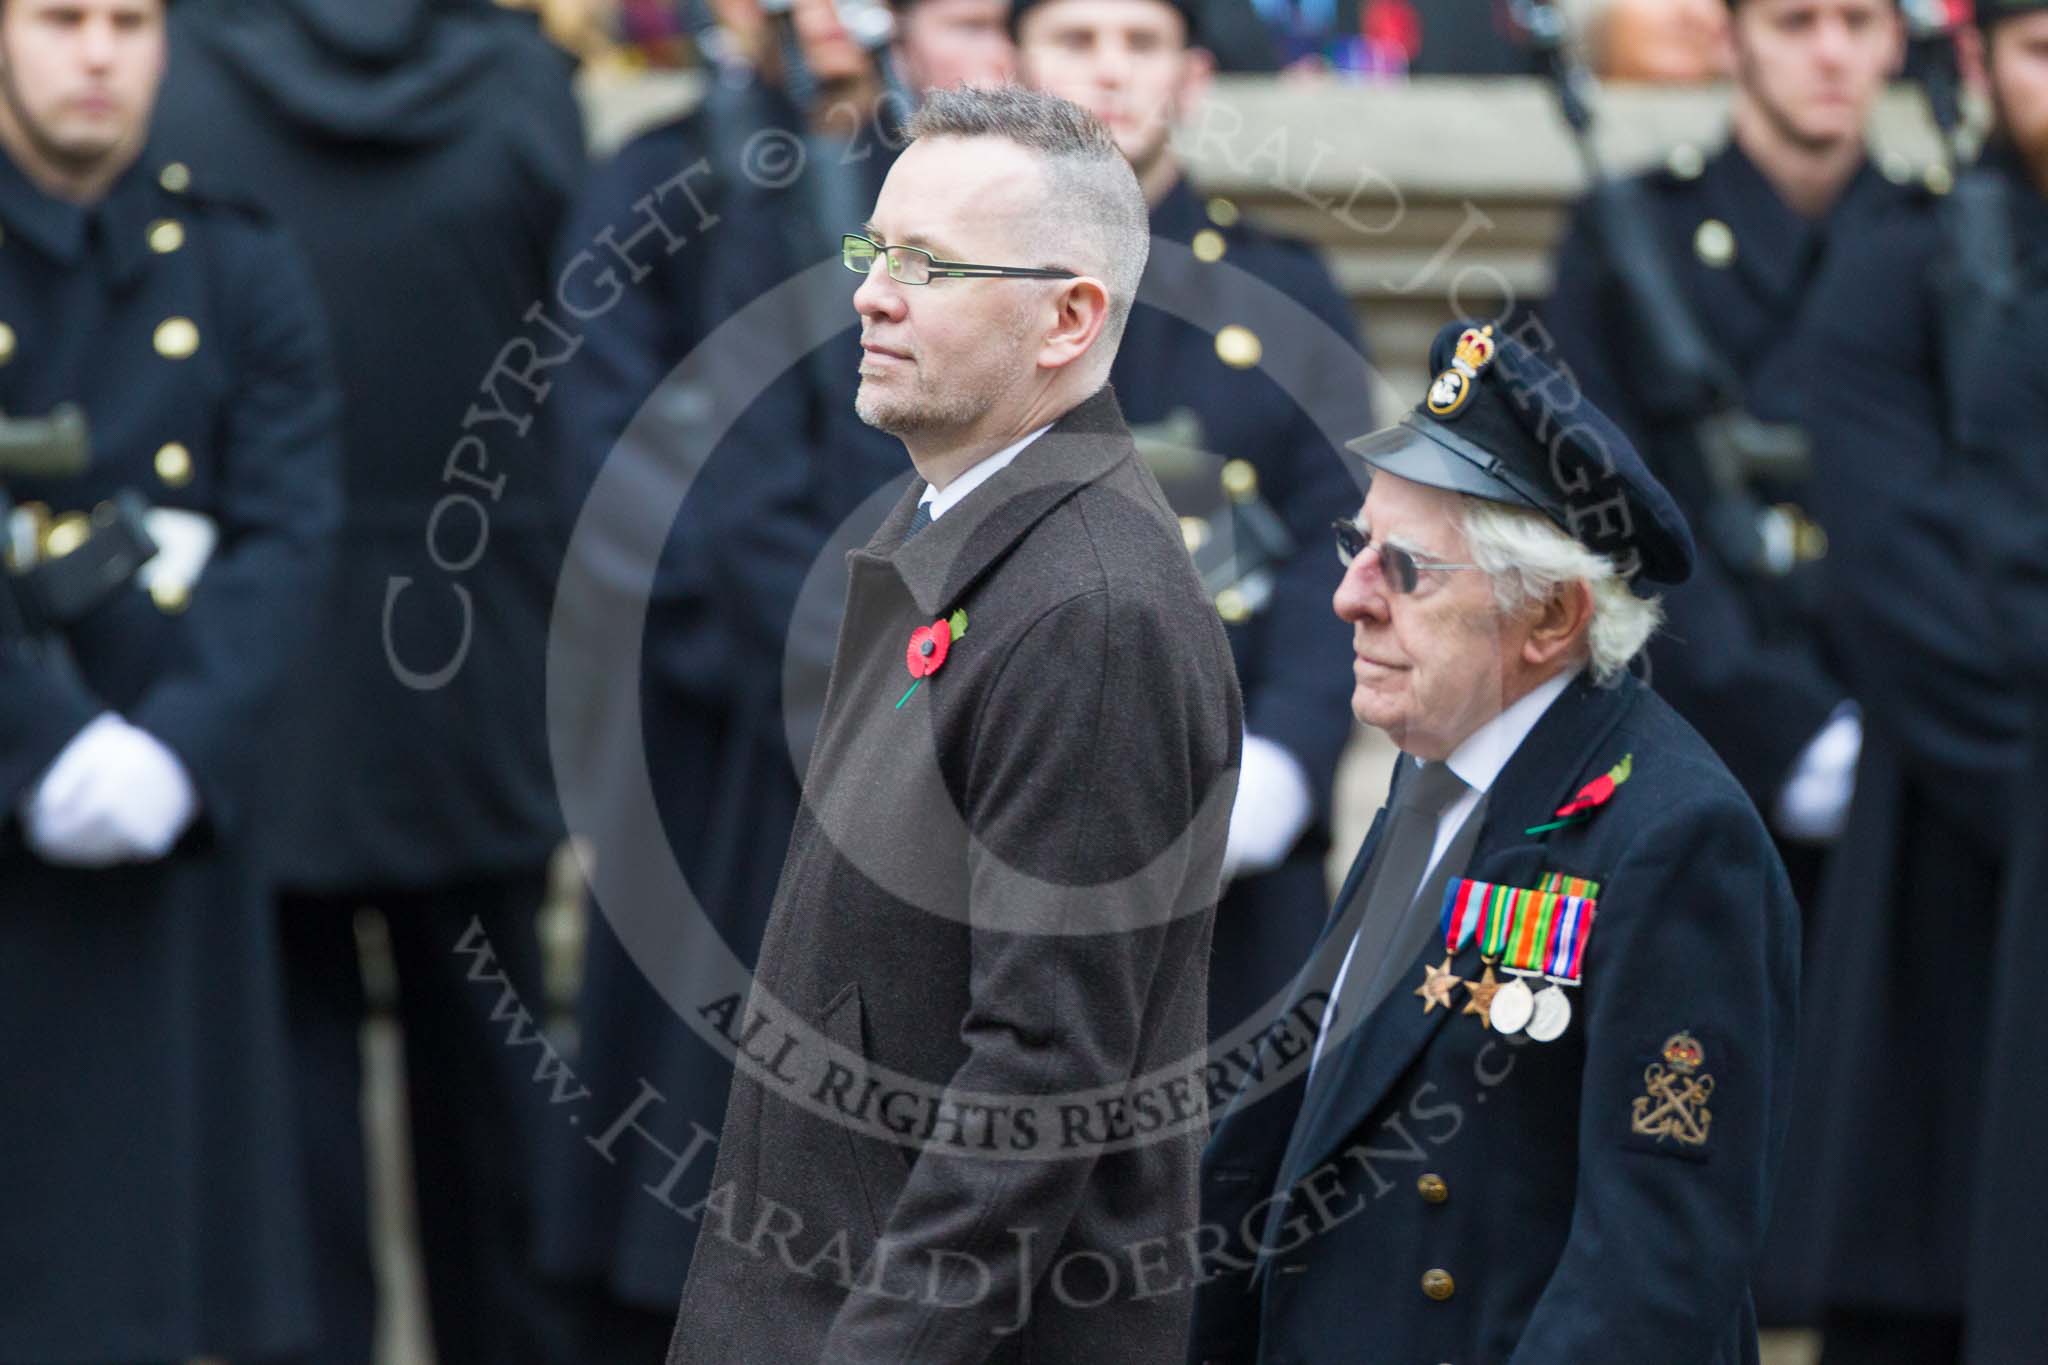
x=1389 y=889
x=919 y=519
x=1396 y=875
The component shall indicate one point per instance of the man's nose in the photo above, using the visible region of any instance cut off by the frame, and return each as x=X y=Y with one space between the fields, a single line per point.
x=1832 y=41
x=1362 y=592
x=878 y=295
x=96 y=43
x=1113 y=65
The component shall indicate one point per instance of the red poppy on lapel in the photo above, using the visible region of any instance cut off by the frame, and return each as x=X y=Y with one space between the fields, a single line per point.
x=1600 y=790
x=927 y=648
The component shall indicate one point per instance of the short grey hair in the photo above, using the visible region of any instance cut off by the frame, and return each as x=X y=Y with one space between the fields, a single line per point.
x=1097 y=207
x=1528 y=558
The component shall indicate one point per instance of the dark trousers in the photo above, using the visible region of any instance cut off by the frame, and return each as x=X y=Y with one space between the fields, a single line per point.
x=474 y=1113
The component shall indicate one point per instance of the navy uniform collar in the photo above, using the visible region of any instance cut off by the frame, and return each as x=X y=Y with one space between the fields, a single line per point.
x=1179 y=214
x=1775 y=247
x=64 y=231
x=948 y=557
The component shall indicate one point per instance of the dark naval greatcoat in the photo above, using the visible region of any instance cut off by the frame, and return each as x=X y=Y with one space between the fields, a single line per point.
x=2007 y=1316
x=1748 y=669
x=151 y=1181
x=1926 y=980
x=1225 y=313
x=1456 y=1195
x=1000 y=886
x=1911 y=904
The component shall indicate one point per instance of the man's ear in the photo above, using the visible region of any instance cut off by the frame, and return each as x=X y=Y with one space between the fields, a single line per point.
x=1560 y=624
x=1080 y=311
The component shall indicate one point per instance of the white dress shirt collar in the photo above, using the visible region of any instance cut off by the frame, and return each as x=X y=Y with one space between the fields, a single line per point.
x=1479 y=760
x=940 y=501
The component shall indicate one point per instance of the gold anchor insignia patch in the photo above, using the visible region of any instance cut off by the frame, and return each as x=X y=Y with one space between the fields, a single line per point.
x=1675 y=1106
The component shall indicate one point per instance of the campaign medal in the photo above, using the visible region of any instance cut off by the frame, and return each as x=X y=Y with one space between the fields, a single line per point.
x=1512 y=1002
x=1513 y=1006
x=1527 y=934
x=1464 y=908
x=1551 y=1014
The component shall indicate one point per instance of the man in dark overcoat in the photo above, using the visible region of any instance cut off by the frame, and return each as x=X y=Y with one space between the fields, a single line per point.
x=151 y=1180
x=725 y=646
x=1528 y=1106
x=1244 y=334
x=989 y=940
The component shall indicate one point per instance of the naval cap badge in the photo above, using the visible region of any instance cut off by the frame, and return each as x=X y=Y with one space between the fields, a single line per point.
x=1453 y=388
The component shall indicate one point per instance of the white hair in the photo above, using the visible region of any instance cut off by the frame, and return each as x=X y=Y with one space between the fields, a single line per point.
x=1529 y=558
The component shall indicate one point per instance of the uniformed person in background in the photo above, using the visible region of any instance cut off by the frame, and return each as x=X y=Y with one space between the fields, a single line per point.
x=1746 y=230
x=423 y=153
x=1541 y=1116
x=151 y=1183
x=1241 y=347
x=724 y=629
x=1746 y=233
x=2006 y=1313
x=1922 y=1008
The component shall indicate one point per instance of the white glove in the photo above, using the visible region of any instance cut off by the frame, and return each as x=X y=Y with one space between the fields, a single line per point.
x=1272 y=809
x=115 y=795
x=1814 y=804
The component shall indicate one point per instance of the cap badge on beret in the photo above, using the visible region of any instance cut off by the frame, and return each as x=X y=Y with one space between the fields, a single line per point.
x=1453 y=388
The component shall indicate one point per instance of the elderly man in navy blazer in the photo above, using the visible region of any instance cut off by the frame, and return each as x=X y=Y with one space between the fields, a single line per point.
x=1534 y=1110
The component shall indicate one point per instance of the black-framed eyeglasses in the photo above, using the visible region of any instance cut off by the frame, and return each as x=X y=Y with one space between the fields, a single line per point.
x=910 y=265
x=1401 y=569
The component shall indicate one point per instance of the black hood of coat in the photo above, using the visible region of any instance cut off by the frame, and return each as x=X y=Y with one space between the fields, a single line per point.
x=390 y=71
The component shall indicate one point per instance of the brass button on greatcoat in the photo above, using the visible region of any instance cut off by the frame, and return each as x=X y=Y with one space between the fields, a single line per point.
x=1433 y=1189
x=166 y=235
x=177 y=338
x=175 y=177
x=1209 y=246
x=1238 y=347
x=6 y=343
x=1714 y=243
x=1438 y=1284
x=1685 y=162
x=66 y=533
x=174 y=464
x=1240 y=481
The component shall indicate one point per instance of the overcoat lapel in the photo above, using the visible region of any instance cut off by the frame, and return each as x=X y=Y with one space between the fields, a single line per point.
x=1543 y=774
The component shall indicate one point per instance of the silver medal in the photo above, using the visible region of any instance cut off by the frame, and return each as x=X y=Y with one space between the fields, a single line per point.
x=1553 y=1014
x=1512 y=1006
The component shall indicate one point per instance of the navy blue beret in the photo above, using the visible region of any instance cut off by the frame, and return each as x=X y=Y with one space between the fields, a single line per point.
x=1500 y=423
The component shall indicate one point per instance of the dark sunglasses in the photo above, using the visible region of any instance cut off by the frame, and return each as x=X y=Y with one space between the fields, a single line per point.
x=910 y=265
x=1401 y=569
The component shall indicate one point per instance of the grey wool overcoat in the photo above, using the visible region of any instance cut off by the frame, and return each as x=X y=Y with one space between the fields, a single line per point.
x=966 y=1121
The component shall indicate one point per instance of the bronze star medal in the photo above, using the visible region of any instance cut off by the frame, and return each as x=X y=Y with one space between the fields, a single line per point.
x=1437 y=985
x=1482 y=992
